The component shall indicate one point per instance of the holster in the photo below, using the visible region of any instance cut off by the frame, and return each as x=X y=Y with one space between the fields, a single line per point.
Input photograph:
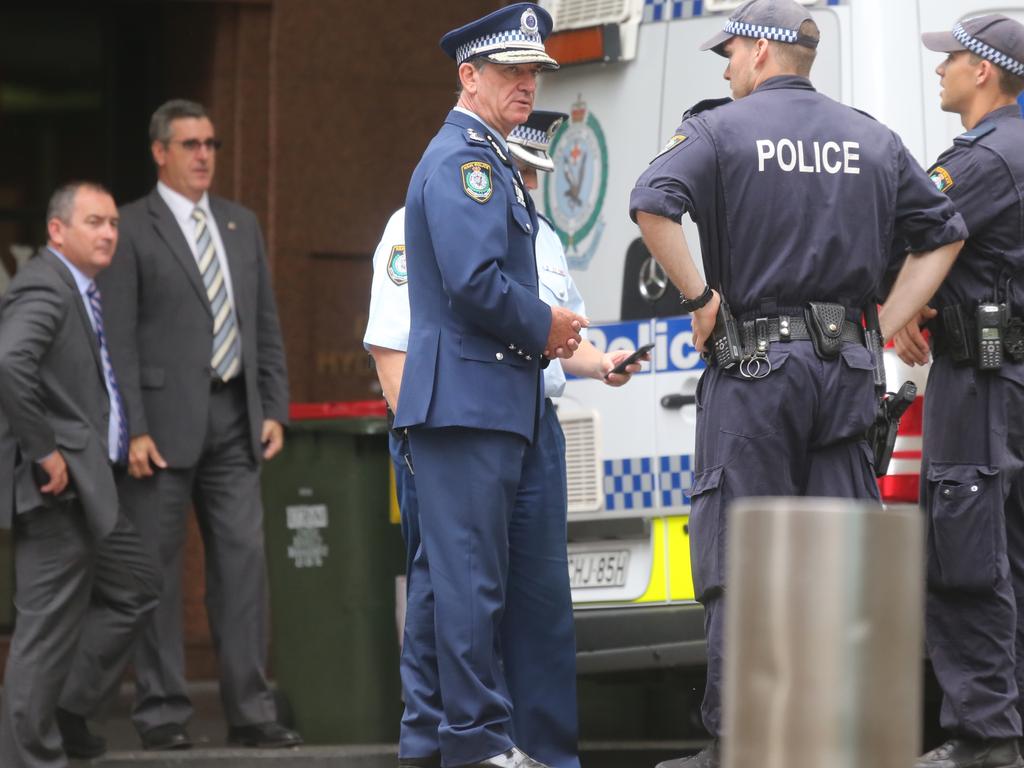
x=825 y=323
x=955 y=338
x=882 y=434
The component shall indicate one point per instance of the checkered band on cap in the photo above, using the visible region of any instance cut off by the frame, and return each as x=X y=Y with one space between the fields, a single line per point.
x=499 y=41
x=986 y=51
x=528 y=136
x=779 y=34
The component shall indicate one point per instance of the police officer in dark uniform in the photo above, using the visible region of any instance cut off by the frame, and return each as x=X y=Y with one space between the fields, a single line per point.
x=471 y=395
x=797 y=200
x=973 y=429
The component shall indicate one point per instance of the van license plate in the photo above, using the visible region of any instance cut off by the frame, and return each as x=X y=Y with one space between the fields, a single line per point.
x=598 y=569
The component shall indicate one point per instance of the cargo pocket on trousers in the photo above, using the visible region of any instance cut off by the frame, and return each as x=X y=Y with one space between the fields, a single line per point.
x=968 y=537
x=707 y=532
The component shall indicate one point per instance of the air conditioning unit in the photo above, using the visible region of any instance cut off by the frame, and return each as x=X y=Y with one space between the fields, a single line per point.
x=583 y=461
x=732 y=5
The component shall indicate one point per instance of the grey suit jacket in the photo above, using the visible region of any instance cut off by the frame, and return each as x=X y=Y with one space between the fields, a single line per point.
x=160 y=328
x=52 y=394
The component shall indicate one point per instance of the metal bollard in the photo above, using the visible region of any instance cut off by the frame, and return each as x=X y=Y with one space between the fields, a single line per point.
x=823 y=634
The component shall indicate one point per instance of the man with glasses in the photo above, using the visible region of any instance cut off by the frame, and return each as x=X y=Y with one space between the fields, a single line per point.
x=197 y=346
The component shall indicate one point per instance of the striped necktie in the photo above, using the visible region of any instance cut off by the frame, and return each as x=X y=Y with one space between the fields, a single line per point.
x=116 y=404
x=227 y=350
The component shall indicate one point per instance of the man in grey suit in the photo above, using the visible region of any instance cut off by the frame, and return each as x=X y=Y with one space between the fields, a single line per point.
x=84 y=585
x=197 y=345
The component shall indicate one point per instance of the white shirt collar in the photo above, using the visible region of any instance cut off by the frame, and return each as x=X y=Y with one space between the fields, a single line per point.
x=180 y=205
x=83 y=281
x=490 y=129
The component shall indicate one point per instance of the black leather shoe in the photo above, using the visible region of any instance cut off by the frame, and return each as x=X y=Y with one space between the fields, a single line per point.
x=79 y=742
x=709 y=757
x=165 y=737
x=973 y=753
x=266 y=735
x=433 y=761
x=513 y=758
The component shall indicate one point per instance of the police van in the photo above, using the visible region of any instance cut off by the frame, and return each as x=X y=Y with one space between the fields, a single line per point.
x=629 y=70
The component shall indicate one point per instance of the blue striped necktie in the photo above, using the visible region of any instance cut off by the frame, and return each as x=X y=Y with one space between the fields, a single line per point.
x=227 y=350
x=116 y=404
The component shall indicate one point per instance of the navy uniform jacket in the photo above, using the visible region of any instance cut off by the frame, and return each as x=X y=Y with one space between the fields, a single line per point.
x=478 y=328
x=797 y=198
x=983 y=174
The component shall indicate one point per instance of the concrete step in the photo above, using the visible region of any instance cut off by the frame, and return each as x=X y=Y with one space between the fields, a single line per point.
x=592 y=755
x=355 y=756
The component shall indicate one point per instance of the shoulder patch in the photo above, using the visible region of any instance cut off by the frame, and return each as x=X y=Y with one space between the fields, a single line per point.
x=397 y=270
x=974 y=134
x=704 y=106
x=940 y=178
x=473 y=136
x=476 y=180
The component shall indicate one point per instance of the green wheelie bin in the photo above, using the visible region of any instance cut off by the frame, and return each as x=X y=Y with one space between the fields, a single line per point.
x=333 y=556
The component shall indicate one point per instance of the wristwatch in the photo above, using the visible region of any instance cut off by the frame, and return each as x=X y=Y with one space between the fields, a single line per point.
x=689 y=305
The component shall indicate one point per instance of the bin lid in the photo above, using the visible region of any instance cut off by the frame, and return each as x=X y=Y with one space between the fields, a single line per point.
x=364 y=417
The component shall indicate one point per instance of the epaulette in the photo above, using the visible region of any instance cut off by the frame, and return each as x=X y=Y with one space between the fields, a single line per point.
x=969 y=137
x=473 y=136
x=704 y=106
x=549 y=221
x=866 y=114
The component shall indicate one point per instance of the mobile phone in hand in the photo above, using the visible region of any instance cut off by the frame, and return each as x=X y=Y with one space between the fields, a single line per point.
x=633 y=358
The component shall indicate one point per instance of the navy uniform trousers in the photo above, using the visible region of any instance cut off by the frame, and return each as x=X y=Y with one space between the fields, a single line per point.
x=971 y=489
x=536 y=635
x=796 y=432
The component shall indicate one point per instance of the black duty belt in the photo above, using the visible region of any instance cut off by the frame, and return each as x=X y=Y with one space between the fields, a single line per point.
x=792 y=328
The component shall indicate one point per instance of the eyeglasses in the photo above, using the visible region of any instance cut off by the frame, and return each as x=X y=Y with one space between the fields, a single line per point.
x=193 y=145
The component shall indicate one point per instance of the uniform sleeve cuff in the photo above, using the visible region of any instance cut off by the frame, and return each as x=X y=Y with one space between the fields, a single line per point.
x=955 y=228
x=657 y=202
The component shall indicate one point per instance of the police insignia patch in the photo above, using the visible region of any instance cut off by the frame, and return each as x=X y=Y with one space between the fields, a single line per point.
x=476 y=180
x=397 y=270
x=941 y=179
x=677 y=139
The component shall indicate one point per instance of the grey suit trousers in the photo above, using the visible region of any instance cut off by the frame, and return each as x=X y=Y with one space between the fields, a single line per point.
x=80 y=605
x=224 y=487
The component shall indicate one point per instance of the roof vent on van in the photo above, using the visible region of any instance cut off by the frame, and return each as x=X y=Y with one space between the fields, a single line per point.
x=594 y=30
x=583 y=460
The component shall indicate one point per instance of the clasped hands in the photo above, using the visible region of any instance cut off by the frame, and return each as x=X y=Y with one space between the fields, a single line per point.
x=564 y=337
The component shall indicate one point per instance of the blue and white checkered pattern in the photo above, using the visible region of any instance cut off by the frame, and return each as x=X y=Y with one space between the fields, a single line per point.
x=529 y=136
x=757 y=31
x=669 y=10
x=666 y=10
x=634 y=484
x=976 y=46
x=498 y=41
x=628 y=484
x=675 y=479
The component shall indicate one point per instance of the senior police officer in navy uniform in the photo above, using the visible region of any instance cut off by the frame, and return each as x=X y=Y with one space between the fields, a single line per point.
x=537 y=633
x=971 y=480
x=797 y=200
x=471 y=393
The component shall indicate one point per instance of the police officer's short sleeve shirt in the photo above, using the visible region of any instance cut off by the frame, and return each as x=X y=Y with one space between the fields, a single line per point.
x=388 y=322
